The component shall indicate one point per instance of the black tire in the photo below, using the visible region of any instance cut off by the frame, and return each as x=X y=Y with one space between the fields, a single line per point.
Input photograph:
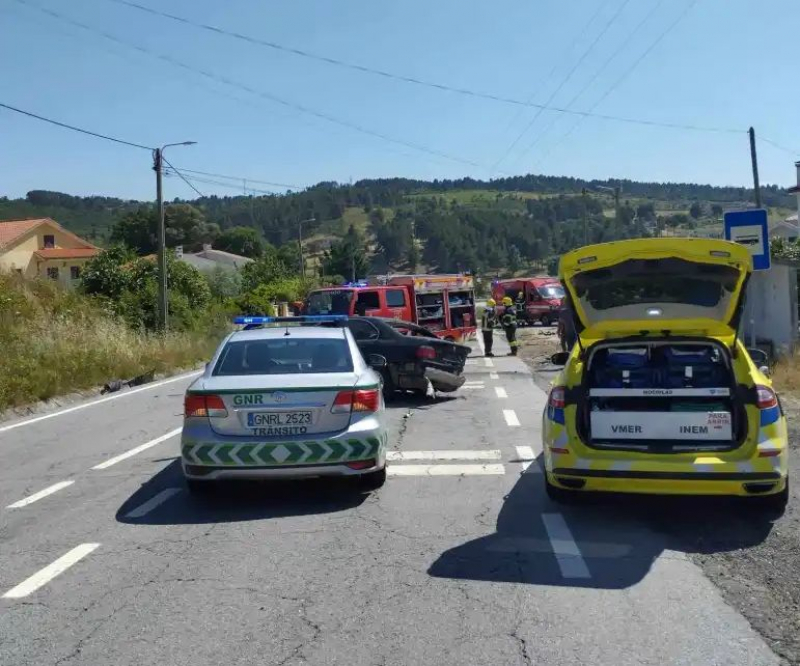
x=373 y=480
x=560 y=495
x=200 y=488
x=545 y=320
x=774 y=505
x=389 y=387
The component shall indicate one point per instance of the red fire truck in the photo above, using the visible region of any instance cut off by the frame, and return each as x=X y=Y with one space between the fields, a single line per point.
x=542 y=296
x=444 y=304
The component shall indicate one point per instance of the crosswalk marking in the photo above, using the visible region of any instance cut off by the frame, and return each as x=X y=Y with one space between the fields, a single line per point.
x=500 y=391
x=446 y=470
x=511 y=418
x=494 y=375
x=527 y=456
x=493 y=454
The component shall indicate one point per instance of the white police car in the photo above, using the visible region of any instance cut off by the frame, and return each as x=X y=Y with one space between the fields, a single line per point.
x=286 y=398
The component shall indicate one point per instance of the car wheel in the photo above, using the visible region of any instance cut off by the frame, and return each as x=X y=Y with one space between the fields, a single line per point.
x=559 y=495
x=389 y=387
x=774 y=505
x=197 y=487
x=545 y=319
x=373 y=480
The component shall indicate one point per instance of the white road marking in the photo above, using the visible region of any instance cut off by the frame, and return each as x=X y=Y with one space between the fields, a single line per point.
x=473 y=387
x=489 y=363
x=567 y=553
x=445 y=470
x=470 y=361
x=152 y=503
x=479 y=337
x=511 y=417
x=527 y=456
x=138 y=449
x=99 y=401
x=473 y=382
x=500 y=391
x=494 y=375
x=47 y=574
x=41 y=494
x=443 y=455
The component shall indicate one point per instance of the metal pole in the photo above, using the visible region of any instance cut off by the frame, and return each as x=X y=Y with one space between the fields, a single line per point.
x=585 y=222
x=163 y=305
x=754 y=160
x=300 y=242
x=616 y=210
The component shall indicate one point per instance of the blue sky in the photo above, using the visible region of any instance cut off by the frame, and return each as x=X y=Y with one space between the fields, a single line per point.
x=728 y=64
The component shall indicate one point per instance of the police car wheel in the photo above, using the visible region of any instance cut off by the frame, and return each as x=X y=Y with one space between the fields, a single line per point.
x=373 y=480
x=197 y=487
x=560 y=495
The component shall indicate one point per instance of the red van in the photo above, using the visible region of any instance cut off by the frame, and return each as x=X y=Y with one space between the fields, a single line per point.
x=543 y=296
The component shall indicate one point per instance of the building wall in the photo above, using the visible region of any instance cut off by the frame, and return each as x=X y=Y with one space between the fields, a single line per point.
x=64 y=267
x=771 y=311
x=20 y=255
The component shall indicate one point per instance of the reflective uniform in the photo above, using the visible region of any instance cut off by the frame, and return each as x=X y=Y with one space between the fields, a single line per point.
x=488 y=322
x=509 y=324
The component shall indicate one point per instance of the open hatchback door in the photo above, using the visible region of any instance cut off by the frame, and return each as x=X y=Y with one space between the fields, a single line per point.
x=657 y=286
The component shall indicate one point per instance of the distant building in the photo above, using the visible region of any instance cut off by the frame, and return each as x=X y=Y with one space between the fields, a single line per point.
x=786 y=229
x=43 y=248
x=209 y=259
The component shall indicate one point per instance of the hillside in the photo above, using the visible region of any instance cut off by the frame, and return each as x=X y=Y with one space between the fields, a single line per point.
x=506 y=223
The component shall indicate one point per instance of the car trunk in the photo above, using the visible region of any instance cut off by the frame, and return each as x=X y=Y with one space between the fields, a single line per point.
x=303 y=405
x=450 y=357
x=661 y=396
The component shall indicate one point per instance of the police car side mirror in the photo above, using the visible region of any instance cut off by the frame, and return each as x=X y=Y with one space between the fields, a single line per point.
x=559 y=358
x=376 y=361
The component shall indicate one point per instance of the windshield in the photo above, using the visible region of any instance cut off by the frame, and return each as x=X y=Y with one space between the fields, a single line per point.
x=333 y=301
x=284 y=356
x=552 y=291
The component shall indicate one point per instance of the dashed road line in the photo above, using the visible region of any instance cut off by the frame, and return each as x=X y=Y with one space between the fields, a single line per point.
x=500 y=391
x=511 y=418
x=152 y=503
x=47 y=574
x=129 y=454
x=489 y=363
x=493 y=454
x=99 y=401
x=494 y=375
x=473 y=387
x=40 y=495
x=446 y=470
x=526 y=456
x=479 y=338
x=567 y=553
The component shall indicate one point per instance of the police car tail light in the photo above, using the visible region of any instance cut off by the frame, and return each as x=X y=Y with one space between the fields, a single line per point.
x=366 y=401
x=204 y=406
x=557 y=397
x=426 y=352
x=766 y=397
x=343 y=403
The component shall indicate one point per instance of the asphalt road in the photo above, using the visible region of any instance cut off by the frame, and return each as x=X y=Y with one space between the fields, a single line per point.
x=460 y=559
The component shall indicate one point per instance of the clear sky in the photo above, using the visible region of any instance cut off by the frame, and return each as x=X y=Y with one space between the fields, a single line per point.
x=727 y=64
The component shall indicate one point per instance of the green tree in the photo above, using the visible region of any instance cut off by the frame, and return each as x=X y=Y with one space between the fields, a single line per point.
x=716 y=210
x=245 y=241
x=104 y=275
x=263 y=271
x=696 y=210
x=184 y=225
x=348 y=256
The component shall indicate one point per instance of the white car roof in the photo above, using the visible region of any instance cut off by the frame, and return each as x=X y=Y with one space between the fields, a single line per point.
x=307 y=332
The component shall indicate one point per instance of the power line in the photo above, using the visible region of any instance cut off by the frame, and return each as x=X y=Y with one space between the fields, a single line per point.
x=564 y=81
x=772 y=143
x=588 y=85
x=58 y=123
x=242 y=178
x=181 y=176
x=625 y=75
x=399 y=77
x=260 y=93
x=210 y=181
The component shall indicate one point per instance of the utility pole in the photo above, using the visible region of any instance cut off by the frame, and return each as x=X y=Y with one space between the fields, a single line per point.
x=617 y=220
x=754 y=161
x=163 y=302
x=300 y=243
x=585 y=222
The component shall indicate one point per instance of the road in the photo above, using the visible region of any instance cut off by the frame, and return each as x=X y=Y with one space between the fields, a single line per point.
x=460 y=559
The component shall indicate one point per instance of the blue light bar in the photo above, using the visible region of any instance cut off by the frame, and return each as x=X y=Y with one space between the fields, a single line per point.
x=256 y=320
x=359 y=283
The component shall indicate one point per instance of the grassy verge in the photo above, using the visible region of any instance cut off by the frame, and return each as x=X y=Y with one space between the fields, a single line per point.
x=54 y=342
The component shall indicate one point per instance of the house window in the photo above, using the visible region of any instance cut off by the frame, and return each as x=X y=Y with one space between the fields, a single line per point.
x=74 y=272
x=49 y=241
x=52 y=273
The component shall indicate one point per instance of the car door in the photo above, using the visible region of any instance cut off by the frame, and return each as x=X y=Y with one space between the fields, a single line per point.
x=367 y=336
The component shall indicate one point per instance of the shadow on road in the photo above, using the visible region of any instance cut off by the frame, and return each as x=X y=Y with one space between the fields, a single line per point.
x=619 y=537
x=239 y=501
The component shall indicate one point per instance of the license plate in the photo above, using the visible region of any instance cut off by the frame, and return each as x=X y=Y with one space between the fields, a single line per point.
x=265 y=419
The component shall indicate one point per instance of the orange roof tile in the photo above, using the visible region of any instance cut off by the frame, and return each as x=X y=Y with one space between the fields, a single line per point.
x=67 y=253
x=12 y=229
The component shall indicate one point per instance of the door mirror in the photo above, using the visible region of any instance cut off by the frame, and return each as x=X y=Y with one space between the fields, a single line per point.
x=759 y=356
x=764 y=370
x=376 y=361
x=560 y=358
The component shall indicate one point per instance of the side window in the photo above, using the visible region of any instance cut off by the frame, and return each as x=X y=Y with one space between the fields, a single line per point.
x=396 y=298
x=367 y=300
x=363 y=330
x=49 y=241
x=52 y=273
x=74 y=272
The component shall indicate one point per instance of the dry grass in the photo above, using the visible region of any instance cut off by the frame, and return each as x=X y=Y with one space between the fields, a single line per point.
x=786 y=376
x=55 y=342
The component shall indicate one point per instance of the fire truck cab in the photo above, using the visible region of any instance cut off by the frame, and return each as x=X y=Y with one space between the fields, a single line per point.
x=542 y=297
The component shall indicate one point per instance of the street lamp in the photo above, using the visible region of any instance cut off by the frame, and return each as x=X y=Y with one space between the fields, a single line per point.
x=300 y=243
x=163 y=303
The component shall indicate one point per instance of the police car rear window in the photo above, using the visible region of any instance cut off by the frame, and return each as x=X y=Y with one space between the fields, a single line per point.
x=284 y=356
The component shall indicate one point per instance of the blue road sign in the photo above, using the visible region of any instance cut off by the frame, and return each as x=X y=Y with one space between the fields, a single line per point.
x=749 y=228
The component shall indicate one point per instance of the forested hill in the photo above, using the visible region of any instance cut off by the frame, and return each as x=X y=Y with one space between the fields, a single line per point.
x=439 y=224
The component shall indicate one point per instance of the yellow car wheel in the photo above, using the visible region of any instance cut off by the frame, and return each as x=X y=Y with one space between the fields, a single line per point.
x=774 y=504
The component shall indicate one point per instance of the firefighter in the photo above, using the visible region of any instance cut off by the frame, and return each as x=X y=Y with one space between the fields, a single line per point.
x=522 y=318
x=566 y=326
x=488 y=322
x=509 y=323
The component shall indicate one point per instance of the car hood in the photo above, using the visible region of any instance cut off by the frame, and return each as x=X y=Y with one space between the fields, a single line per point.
x=681 y=285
